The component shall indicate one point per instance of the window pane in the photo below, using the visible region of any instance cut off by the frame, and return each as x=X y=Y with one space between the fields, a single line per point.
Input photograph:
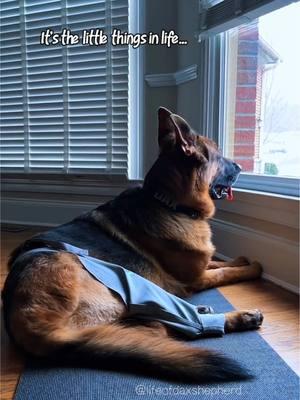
x=262 y=105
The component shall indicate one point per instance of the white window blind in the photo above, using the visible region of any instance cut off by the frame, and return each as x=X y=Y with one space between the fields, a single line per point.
x=63 y=108
x=217 y=16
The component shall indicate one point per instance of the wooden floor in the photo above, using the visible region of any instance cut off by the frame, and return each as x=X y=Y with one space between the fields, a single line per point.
x=280 y=328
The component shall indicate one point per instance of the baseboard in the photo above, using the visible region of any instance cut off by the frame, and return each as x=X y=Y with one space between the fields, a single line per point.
x=247 y=232
x=279 y=282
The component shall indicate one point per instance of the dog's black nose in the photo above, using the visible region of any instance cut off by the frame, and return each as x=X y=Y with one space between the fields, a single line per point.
x=237 y=167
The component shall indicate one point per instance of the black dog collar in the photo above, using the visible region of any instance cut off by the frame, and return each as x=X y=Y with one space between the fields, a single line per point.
x=173 y=206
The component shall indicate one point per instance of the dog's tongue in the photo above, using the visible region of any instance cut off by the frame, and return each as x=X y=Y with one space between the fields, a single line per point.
x=229 y=194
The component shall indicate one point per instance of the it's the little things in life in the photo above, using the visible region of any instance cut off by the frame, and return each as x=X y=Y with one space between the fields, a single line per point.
x=97 y=37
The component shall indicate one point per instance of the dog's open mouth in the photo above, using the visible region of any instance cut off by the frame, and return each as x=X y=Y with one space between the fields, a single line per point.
x=219 y=192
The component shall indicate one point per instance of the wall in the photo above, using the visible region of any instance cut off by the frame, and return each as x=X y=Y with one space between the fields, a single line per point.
x=188 y=94
x=159 y=15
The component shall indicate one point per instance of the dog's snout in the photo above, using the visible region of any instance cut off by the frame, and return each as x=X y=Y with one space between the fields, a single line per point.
x=237 y=167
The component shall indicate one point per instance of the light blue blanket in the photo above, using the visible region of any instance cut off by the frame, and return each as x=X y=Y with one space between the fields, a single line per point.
x=146 y=300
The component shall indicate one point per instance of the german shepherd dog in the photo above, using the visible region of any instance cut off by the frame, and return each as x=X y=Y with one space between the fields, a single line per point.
x=160 y=230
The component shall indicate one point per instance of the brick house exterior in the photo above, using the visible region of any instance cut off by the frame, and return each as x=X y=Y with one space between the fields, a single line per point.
x=254 y=57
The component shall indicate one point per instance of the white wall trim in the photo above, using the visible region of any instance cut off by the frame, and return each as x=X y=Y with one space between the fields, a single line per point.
x=186 y=74
x=173 y=78
x=277 y=209
x=161 y=80
x=245 y=231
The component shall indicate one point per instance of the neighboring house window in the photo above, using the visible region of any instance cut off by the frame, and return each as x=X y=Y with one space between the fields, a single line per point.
x=64 y=109
x=256 y=67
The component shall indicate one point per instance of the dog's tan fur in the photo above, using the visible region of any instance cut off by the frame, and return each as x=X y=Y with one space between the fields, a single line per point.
x=57 y=302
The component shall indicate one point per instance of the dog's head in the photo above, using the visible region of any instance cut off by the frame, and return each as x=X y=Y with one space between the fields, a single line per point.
x=190 y=169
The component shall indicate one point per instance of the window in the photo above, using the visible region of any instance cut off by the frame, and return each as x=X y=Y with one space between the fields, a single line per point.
x=254 y=77
x=64 y=109
x=262 y=107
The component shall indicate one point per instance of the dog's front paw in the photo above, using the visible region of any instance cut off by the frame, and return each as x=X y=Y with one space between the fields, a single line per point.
x=243 y=320
x=251 y=319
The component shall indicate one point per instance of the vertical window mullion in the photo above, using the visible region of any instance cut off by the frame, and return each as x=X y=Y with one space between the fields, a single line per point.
x=65 y=88
x=27 y=167
x=109 y=126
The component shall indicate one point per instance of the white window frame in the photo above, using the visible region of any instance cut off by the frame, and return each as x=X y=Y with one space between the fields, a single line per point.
x=136 y=93
x=212 y=118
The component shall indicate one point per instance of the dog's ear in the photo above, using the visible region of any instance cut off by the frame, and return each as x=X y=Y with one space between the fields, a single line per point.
x=174 y=131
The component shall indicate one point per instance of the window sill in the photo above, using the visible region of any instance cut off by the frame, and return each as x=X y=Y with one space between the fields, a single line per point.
x=64 y=185
x=269 y=184
x=275 y=208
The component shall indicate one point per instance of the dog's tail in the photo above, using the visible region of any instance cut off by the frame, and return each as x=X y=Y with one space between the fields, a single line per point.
x=166 y=356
